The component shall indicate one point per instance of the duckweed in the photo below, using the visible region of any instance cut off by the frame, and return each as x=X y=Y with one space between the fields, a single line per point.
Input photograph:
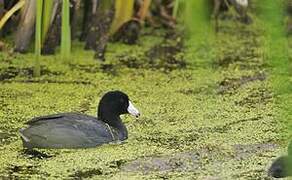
x=215 y=117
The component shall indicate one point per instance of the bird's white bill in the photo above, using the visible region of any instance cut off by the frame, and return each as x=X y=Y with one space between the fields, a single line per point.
x=243 y=3
x=132 y=110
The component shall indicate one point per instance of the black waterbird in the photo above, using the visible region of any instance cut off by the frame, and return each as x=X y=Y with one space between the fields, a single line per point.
x=75 y=130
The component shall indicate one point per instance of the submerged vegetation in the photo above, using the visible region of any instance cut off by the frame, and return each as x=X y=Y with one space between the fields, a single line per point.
x=214 y=100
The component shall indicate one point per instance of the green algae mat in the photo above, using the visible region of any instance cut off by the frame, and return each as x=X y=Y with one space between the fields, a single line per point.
x=203 y=117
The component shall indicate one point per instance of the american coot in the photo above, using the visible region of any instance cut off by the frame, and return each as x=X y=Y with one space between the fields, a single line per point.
x=282 y=166
x=74 y=130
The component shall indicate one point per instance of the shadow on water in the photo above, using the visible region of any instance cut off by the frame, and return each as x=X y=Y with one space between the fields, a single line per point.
x=34 y=154
x=86 y=173
x=26 y=171
x=89 y=173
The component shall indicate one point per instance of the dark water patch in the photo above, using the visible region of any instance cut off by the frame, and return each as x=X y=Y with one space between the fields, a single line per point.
x=244 y=151
x=256 y=96
x=20 y=172
x=132 y=61
x=228 y=59
x=128 y=33
x=174 y=35
x=229 y=85
x=8 y=73
x=153 y=32
x=47 y=71
x=162 y=176
x=117 y=163
x=200 y=90
x=85 y=68
x=12 y=72
x=35 y=154
x=193 y=160
x=109 y=69
x=189 y=91
x=226 y=127
x=244 y=53
x=45 y=81
x=187 y=161
x=166 y=56
x=81 y=174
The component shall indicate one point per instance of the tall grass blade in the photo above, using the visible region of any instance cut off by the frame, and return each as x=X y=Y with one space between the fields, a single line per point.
x=175 y=8
x=38 y=36
x=65 y=31
x=47 y=17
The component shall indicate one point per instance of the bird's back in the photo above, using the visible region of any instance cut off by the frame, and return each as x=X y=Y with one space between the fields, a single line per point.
x=66 y=130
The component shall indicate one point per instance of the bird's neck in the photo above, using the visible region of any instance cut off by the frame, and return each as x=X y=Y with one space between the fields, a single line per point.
x=115 y=122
